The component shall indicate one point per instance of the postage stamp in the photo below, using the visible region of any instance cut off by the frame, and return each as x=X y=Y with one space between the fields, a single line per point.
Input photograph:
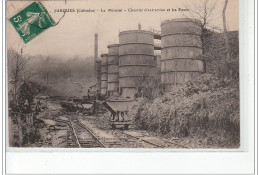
x=31 y=21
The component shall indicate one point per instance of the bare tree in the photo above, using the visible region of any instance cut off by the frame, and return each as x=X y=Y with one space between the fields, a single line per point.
x=225 y=30
x=214 y=42
x=204 y=12
x=19 y=71
x=16 y=68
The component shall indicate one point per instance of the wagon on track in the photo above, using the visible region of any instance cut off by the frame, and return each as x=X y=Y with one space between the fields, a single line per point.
x=119 y=112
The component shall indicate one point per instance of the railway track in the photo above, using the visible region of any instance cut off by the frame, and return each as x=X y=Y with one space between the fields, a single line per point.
x=163 y=142
x=81 y=135
x=142 y=140
x=91 y=133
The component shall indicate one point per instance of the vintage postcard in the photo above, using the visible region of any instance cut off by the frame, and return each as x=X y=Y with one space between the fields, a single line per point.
x=123 y=74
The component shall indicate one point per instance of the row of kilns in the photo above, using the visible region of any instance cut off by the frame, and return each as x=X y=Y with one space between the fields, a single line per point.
x=129 y=66
x=181 y=43
x=136 y=61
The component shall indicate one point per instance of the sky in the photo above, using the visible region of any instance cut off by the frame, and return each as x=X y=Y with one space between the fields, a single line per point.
x=74 y=35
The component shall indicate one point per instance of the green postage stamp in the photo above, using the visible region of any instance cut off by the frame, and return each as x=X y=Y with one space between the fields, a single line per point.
x=31 y=21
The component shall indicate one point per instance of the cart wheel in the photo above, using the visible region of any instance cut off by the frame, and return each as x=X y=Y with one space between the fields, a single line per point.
x=126 y=127
x=113 y=126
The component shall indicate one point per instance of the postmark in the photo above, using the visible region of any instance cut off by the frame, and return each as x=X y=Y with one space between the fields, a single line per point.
x=31 y=21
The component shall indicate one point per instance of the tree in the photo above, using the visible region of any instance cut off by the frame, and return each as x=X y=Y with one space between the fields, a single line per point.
x=17 y=71
x=225 y=30
x=204 y=12
x=215 y=43
x=21 y=92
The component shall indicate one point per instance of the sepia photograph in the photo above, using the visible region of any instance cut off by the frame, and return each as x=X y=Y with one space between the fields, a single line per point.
x=123 y=74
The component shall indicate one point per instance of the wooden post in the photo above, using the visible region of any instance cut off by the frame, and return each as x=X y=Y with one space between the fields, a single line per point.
x=27 y=119
x=32 y=119
x=11 y=132
x=20 y=132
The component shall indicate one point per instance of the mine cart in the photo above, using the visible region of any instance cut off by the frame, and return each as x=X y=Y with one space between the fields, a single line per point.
x=119 y=112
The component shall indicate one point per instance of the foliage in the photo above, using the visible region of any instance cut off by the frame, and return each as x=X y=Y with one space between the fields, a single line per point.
x=148 y=84
x=202 y=106
x=214 y=59
x=31 y=135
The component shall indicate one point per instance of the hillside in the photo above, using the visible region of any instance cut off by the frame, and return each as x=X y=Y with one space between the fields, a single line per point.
x=204 y=113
